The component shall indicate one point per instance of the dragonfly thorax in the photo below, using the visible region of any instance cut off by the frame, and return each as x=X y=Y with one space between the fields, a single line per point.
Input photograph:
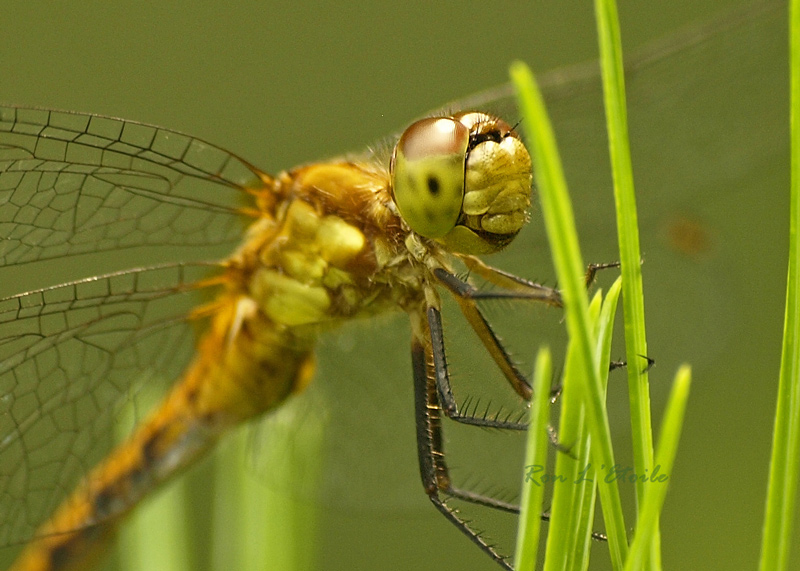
x=332 y=250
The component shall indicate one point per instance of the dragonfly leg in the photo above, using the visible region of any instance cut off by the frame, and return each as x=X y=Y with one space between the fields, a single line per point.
x=442 y=377
x=467 y=296
x=448 y=401
x=430 y=448
x=592 y=269
x=433 y=397
x=513 y=286
x=622 y=364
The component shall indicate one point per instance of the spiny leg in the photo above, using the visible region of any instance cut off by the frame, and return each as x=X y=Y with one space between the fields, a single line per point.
x=442 y=376
x=442 y=380
x=513 y=285
x=467 y=296
x=512 y=282
x=430 y=449
x=433 y=468
x=593 y=269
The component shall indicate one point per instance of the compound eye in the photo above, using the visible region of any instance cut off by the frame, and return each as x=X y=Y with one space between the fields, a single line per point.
x=428 y=175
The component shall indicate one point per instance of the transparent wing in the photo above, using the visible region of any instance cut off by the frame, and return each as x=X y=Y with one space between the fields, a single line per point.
x=74 y=183
x=97 y=194
x=70 y=357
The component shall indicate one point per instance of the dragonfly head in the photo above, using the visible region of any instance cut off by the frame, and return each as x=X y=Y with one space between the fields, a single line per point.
x=464 y=181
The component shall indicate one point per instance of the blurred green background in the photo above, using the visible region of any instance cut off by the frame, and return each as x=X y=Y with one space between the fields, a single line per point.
x=281 y=84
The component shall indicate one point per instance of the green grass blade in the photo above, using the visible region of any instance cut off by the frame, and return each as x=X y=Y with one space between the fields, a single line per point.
x=275 y=527
x=605 y=331
x=587 y=490
x=630 y=257
x=572 y=433
x=242 y=509
x=784 y=469
x=156 y=535
x=562 y=236
x=535 y=455
x=656 y=490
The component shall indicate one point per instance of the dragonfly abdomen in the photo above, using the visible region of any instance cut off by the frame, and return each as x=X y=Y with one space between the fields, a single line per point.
x=245 y=366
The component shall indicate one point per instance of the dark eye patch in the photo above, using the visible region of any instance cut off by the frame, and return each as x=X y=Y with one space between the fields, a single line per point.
x=433 y=185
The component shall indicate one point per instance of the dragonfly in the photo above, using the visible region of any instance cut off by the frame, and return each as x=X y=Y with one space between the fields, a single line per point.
x=326 y=243
x=203 y=214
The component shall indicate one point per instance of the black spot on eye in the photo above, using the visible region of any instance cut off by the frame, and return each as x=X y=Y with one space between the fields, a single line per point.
x=433 y=185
